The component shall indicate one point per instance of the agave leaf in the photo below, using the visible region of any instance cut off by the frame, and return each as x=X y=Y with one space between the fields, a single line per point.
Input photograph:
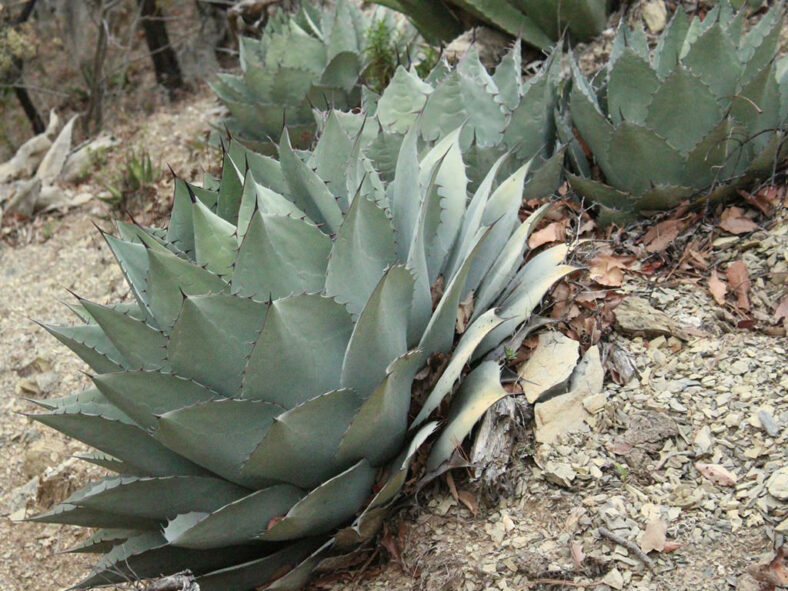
x=219 y=328
x=133 y=261
x=326 y=507
x=280 y=256
x=214 y=240
x=713 y=159
x=500 y=216
x=480 y=390
x=462 y=354
x=91 y=345
x=631 y=84
x=757 y=107
x=505 y=16
x=141 y=346
x=300 y=445
x=230 y=191
x=380 y=335
x=148 y=555
x=530 y=130
x=364 y=247
x=439 y=334
x=382 y=418
x=545 y=181
x=143 y=395
x=683 y=128
x=713 y=58
x=103 y=540
x=602 y=194
x=404 y=207
x=402 y=101
x=125 y=441
x=299 y=576
x=507 y=77
x=266 y=171
x=637 y=158
x=254 y=573
x=73 y=515
x=169 y=277
x=594 y=128
x=217 y=434
x=503 y=269
x=664 y=196
x=309 y=191
x=759 y=46
x=444 y=204
x=300 y=350
x=157 y=498
x=236 y=522
x=666 y=54
x=330 y=158
x=342 y=71
x=108 y=462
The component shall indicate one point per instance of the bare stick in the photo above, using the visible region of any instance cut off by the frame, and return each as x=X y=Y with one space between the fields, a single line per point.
x=173 y=583
x=628 y=545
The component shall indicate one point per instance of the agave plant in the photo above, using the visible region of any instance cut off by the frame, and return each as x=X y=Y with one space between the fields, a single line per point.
x=311 y=59
x=500 y=115
x=538 y=22
x=703 y=114
x=254 y=397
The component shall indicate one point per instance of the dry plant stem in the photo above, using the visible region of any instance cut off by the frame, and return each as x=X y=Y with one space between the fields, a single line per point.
x=628 y=545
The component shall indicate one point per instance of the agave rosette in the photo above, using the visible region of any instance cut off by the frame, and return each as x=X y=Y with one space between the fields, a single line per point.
x=703 y=113
x=312 y=58
x=499 y=115
x=254 y=396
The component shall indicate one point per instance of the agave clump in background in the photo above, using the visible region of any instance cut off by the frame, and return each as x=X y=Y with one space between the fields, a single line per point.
x=314 y=58
x=538 y=22
x=500 y=114
x=702 y=114
x=254 y=396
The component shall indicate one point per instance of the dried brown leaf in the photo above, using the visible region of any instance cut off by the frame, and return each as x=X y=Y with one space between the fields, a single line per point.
x=554 y=232
x=734 y=221
x=782 y=310
x=654 y=537
x=739 y=280
x=661 y=235
x=576 y=550
x=717 y=288
x=608 y=269
x=671 y=547
x=469 y=500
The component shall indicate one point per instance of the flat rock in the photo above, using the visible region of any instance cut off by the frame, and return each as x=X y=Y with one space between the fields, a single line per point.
x=635 y=316
x=778 y=484
x=560 y=474
x=568 y=413
x=550 y=366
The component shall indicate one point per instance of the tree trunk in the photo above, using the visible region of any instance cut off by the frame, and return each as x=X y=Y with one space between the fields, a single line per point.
x=29 y=108
x=165 y=62
x=21 y=92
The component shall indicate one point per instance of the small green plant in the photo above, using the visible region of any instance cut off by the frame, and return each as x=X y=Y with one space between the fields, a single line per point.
x=138 y=176
x=380 y=52
x=622 y=472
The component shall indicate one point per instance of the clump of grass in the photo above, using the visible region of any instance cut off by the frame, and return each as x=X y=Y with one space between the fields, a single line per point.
x=138 y=177
x=381 y=53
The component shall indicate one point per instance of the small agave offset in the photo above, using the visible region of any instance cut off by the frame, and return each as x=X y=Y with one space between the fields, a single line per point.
x=313 y=58
x=254 y=396
x=499 y=113
x=703 y=114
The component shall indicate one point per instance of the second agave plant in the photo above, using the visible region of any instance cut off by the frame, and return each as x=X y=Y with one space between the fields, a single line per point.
x=254 y=396
x=702 y=114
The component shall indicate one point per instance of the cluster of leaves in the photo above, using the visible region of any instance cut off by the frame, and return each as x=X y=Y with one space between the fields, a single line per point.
x=16 y=44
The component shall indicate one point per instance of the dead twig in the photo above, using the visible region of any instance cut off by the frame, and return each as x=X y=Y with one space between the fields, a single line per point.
x=632 y=546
